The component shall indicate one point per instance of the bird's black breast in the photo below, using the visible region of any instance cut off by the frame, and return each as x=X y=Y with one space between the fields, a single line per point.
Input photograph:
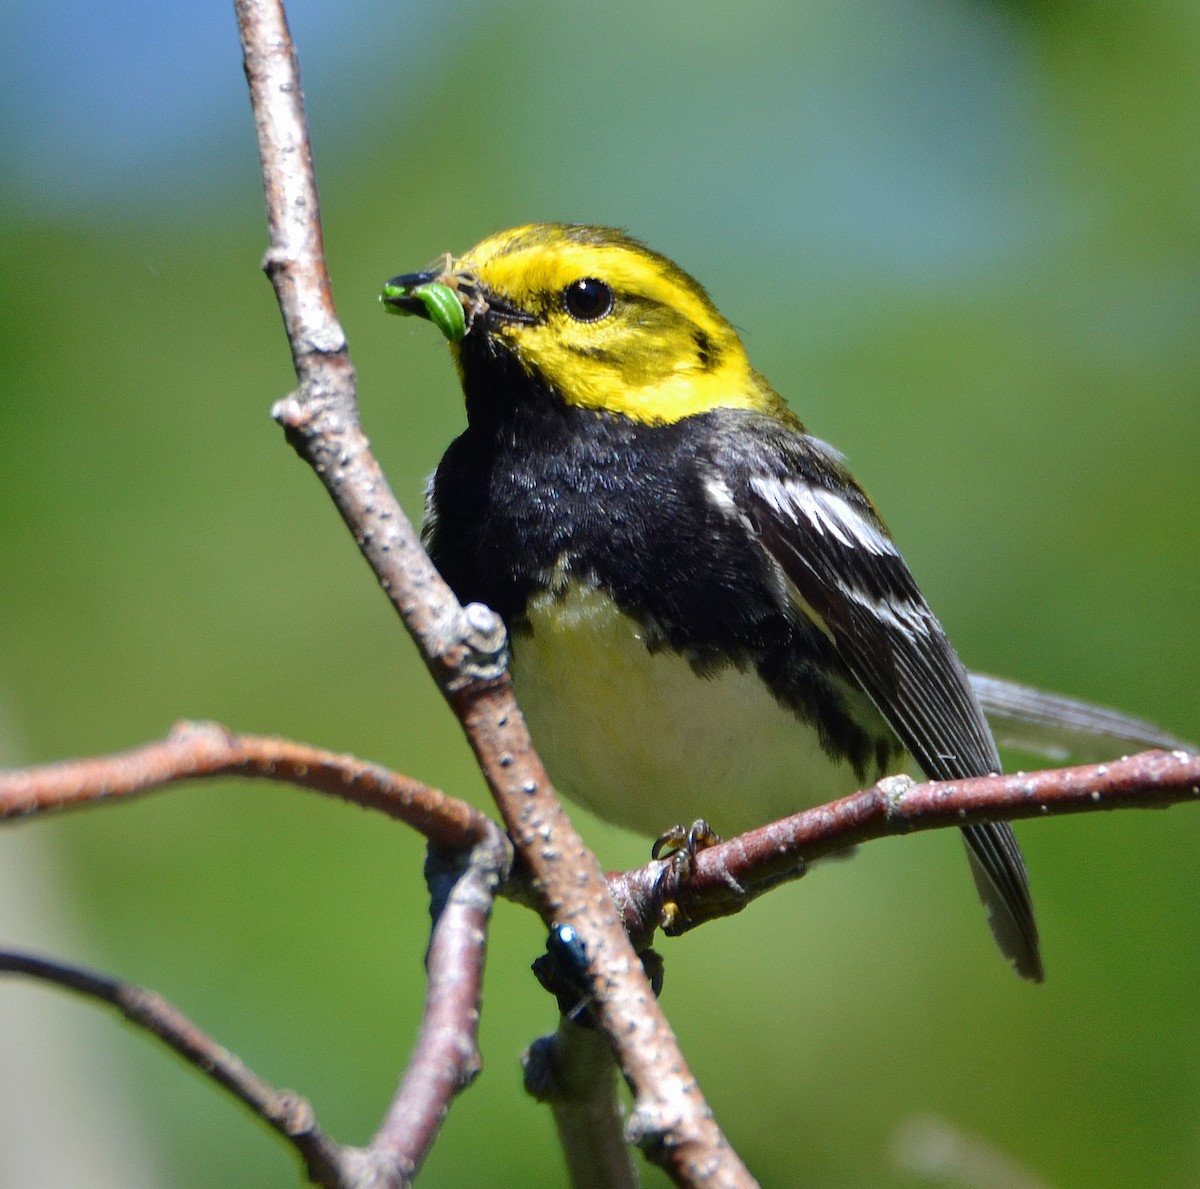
x=578 y=495
x=547 y=494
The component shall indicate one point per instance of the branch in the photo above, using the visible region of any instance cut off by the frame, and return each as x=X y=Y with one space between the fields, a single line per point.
x=197 y=750
x=447 y=1057
x=572 y=1070
x=463 y=884
x=723 y=879
x=472 y=857
x=291 y=1116
x=568 y=1071
x=463 y=647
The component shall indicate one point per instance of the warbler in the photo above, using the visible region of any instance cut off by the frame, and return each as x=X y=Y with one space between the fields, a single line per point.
x=707 y=616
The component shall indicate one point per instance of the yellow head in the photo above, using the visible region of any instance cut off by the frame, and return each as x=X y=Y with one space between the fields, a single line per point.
x=601 y=320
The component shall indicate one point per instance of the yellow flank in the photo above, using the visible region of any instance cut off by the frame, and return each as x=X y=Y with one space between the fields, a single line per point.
x=663 y=351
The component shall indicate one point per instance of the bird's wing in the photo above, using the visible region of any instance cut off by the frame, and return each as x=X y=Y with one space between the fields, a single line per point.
x=845 y=573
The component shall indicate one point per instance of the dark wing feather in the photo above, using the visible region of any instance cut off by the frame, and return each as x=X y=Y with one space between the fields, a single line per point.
x=846 y=573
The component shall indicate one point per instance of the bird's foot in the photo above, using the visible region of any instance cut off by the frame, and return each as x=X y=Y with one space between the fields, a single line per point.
x=679 y=847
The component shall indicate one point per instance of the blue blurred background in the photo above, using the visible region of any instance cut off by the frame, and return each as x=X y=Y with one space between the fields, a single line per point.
x=962 y=238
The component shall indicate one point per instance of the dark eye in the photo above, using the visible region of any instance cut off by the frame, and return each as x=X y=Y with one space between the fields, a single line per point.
x=587 y=300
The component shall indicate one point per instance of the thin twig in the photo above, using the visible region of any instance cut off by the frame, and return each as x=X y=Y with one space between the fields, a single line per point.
x=447 y=1058
x=464 y=648
x=197 y=750
x=725 y=878
x=327 y=1163
x=467 y=879
x=572 y=1071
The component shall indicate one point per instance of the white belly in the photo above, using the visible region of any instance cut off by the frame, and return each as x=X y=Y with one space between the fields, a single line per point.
x=644 y=742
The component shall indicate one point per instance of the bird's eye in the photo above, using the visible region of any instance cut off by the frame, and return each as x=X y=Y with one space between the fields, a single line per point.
x=587 y=300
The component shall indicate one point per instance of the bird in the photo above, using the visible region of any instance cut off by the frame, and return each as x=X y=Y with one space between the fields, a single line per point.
x=707 y=616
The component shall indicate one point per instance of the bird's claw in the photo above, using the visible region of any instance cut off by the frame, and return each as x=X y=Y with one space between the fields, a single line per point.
x=679 y=847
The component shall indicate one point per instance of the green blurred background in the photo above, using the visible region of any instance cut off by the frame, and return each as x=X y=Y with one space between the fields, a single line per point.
x=962 y=238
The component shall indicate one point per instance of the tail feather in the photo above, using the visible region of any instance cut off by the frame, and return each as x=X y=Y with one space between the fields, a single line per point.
x=999 y=873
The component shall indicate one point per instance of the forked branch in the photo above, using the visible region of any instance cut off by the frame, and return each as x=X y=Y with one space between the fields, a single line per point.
x=463 y=647
x=470 y=855
x=469 y=861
